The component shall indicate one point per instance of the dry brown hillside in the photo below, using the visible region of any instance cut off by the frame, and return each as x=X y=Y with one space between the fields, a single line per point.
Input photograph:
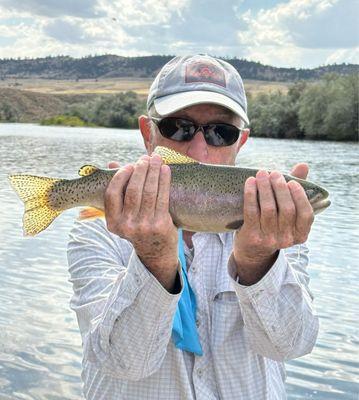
x=27 y=106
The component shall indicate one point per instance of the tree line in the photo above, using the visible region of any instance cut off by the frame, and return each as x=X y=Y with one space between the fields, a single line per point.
x=112 y=66
x=111 y=111
x=325 y=110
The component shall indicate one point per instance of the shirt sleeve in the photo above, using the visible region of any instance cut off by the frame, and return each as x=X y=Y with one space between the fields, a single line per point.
x=125 y=315
x=278 y=310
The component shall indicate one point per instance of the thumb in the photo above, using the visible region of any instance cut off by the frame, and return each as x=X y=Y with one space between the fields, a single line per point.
x=300 y=170
x=113 y=164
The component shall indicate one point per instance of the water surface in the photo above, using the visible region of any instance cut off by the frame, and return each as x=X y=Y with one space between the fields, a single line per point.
x=40 y=347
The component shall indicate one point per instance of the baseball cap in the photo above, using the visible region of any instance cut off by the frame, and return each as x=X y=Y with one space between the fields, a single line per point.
x=189 y=80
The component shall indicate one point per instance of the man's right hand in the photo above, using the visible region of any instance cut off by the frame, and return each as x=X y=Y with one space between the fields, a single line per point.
x=137 y=209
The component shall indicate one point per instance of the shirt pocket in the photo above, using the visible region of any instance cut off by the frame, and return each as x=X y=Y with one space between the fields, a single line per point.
x=227 y=321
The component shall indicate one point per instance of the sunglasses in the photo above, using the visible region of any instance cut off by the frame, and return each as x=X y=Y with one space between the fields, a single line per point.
x=184 y=130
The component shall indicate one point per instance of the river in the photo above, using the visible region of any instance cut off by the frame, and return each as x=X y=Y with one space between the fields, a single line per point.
x=40 y=347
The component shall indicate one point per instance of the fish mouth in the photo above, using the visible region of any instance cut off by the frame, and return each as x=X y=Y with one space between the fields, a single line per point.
x=320 y=202
x=320 y=205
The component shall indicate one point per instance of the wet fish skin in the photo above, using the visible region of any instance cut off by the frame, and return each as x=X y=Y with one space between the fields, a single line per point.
x=209 y=198
x=203 y=197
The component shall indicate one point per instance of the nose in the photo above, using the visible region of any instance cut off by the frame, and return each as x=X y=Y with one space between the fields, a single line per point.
x=197 y=147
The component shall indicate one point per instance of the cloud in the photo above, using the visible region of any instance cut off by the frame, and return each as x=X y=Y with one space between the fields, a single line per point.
x=55 y=8
x=276 y=32
x=196 y=26
x=331 y=25
x=300 y=31
x=86 y=32
x=349 y=55
x=67 y=32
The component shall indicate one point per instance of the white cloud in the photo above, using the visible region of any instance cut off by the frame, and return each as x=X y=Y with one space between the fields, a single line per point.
x=291 y=33
x=288 y=33
x=143 y=12
x=349 y=55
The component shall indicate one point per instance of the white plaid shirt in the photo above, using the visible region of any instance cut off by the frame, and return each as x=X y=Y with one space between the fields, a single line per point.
x=125 y=318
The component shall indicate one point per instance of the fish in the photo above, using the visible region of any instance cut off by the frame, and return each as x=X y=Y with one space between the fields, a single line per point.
x=203 y=197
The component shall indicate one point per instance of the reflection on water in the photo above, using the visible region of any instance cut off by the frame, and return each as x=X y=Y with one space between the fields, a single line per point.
x=40 y=346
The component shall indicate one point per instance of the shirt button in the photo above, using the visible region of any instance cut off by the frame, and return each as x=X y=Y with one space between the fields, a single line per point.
x=194 y=269
x=198 y=323
x=138 y=279
x=199 y=372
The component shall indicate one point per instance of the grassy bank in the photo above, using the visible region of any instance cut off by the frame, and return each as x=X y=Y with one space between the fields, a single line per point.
x=326 y=109
x=66 y=120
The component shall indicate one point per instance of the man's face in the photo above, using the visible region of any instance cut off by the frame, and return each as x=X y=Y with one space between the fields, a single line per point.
x=197 y=148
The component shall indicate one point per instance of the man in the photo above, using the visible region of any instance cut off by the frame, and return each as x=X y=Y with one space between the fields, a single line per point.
x=254 y=308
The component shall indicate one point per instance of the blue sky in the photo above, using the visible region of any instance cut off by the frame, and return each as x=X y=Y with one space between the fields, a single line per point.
x=293 y=33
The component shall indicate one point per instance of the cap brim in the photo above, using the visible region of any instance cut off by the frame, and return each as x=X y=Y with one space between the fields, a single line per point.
x=174 y=102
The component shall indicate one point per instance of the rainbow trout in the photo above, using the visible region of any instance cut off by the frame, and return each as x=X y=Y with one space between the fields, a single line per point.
x=203 y=197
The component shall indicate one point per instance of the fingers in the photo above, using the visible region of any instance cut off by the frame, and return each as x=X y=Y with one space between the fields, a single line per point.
x=115 y=192
x=300 y=171
x=286 y=209
x=251 y=212
x=162 y=205
x=133 y=196
x=113 y=164
x=305 y=215
x=267 y=203
x=150 y=189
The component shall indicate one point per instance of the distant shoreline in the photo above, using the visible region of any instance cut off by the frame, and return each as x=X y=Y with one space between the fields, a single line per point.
x=137 y=129
x=142 y=67
x=276 y=109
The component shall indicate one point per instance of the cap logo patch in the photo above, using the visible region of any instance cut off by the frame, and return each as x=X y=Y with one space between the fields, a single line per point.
x=203 y=71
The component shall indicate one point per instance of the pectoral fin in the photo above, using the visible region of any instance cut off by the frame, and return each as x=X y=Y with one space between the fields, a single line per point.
x=91 y=213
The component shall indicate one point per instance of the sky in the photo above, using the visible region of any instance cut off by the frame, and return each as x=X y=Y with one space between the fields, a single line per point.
x=283 y=33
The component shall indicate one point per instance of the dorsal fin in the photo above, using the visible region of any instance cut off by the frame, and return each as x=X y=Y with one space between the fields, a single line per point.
x=170 y=156
x=87 y=170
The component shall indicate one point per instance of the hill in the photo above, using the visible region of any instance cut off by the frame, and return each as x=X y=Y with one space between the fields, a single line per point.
x=112 y=66
x=25 y=106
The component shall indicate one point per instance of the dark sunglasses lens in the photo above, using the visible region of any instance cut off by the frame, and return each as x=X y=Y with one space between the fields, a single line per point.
x=221 y=135
x=177 y=129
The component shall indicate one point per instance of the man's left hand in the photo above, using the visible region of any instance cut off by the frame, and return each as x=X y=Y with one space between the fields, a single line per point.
x=277 y=215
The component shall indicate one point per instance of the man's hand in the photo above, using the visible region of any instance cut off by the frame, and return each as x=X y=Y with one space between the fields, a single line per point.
x=137 y=209
x=277 y=215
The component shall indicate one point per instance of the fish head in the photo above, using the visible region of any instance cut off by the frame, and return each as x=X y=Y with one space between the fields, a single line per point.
x=317 y=196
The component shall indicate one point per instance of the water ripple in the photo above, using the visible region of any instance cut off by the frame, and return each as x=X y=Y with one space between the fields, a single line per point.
x=40 y=345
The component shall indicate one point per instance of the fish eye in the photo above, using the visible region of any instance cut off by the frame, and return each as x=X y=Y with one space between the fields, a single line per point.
x=310 y=193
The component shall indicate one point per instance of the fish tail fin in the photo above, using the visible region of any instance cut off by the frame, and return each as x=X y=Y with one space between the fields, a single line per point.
x=34 y=192
x=91 y=213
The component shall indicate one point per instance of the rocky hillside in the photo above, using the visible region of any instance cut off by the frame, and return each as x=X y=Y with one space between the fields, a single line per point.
x=112 y=66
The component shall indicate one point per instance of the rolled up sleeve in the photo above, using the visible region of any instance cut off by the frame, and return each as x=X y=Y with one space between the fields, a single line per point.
x=278 y=310
x=125 y=315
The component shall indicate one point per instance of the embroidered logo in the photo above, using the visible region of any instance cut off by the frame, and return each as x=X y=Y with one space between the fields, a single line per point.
x=204 y=71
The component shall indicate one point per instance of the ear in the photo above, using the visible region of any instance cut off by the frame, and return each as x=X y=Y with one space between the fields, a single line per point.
x=243 y=138
x=144 y=123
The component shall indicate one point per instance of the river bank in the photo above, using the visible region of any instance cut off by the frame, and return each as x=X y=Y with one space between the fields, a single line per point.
x=322 y=110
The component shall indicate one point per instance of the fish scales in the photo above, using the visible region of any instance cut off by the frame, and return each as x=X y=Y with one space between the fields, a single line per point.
x=206 y=197
x=203 y=197
x=85 y=191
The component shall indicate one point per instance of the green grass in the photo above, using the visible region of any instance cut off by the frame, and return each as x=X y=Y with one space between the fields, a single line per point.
x=65 y=120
